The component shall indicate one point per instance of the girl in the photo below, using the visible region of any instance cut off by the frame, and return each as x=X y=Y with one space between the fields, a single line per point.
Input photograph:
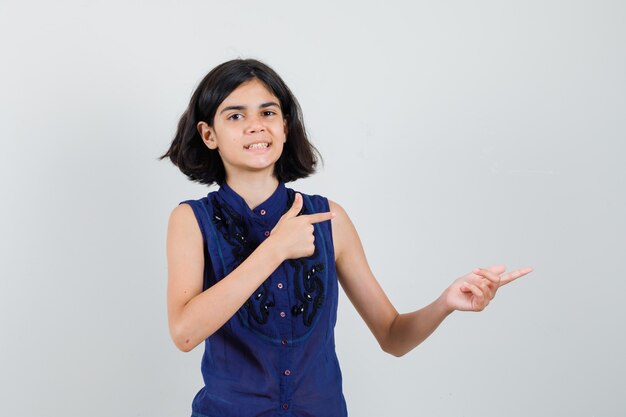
x=254 y=267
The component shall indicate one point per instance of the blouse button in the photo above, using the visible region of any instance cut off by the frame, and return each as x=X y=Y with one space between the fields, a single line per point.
x=285 y=406
x=284 y=341
x=263 y=212
x=287 y=372
x=267 y=233
x=282 y=314
x=280 y=285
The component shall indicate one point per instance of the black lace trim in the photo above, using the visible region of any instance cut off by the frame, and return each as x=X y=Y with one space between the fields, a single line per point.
x=235 y=231
x=258 y=305
x=309 y=290
x=308 y=286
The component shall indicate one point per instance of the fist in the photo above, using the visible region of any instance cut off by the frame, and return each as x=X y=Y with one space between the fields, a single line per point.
x=293 y=234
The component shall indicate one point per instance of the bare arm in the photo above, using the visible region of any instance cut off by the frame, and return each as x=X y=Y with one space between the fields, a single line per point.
x=471 y=292
x=193 y=314
x=397 y=333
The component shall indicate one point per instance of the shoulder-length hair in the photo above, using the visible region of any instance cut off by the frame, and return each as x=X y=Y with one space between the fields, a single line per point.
x=201 y=164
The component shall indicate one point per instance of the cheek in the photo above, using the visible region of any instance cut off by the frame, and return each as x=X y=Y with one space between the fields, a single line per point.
x=278 y=147
x=282 y=131
x=228 y=135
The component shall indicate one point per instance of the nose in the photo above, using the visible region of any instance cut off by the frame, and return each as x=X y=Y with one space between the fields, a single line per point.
x=255 y=124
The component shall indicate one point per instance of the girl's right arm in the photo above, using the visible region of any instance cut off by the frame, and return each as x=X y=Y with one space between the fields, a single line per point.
x=193 y=314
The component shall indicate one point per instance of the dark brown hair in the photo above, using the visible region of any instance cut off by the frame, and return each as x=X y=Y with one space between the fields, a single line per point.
x=201 y=164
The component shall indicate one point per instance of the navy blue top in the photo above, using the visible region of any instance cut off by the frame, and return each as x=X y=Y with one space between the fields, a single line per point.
x=276 y=355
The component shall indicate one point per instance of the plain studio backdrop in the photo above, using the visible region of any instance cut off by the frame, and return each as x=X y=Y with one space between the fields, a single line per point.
x=455 y=134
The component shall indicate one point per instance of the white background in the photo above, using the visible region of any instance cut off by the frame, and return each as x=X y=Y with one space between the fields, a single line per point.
x=455 y=134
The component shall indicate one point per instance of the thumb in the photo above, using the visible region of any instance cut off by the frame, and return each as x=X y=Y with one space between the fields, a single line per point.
x=295 y=207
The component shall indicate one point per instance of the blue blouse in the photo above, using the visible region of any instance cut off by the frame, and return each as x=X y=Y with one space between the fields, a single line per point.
x=276 y=355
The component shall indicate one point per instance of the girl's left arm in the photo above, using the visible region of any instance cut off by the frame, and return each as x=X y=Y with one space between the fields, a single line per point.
x=397 y=333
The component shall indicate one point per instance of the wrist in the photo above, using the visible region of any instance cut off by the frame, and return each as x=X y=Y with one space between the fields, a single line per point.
x=274 y=250
x=443 y=303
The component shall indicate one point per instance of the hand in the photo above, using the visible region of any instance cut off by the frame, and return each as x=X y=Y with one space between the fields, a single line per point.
x=293 y=234
x=474 y=291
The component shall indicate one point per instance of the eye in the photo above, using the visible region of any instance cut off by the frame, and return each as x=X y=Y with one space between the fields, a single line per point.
x=235 y=116
x=269 y=113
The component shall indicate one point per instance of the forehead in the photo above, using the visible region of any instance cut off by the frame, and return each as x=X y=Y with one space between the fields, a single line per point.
x=251 y=92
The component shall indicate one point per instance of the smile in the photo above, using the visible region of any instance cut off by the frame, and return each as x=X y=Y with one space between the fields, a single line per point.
x=262 y=145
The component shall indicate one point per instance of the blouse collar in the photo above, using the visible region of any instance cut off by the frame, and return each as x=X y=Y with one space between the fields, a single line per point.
x=272 y=207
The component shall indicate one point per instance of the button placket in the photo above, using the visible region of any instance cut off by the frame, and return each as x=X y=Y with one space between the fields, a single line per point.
x=280 y=287
x=284 y=325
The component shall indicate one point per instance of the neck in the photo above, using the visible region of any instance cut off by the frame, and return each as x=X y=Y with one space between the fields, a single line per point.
x=253 y=188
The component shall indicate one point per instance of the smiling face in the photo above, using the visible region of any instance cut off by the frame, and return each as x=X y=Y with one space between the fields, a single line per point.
x=248 y=131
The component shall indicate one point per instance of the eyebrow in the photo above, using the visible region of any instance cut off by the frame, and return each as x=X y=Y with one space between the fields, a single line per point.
x=262 y=106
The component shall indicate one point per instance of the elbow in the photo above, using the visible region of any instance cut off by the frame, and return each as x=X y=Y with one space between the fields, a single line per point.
x=390 y=345
x=183 y=347
x=393 y=352
x=391 y=348
x=397 y=354
x=183 y=341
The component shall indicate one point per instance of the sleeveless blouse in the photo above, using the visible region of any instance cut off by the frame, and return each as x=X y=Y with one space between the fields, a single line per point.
x=276 y=355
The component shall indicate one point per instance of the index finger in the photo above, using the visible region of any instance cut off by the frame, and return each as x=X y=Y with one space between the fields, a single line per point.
x=319 y=217
x=512 y=276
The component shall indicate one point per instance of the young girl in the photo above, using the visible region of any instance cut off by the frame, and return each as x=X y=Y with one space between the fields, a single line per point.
x=254 y=267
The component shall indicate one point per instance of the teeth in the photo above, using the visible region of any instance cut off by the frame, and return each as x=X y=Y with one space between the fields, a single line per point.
x=258 y=146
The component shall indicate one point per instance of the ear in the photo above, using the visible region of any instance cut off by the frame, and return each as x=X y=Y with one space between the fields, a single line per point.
x=285 y=128
x=207 y=134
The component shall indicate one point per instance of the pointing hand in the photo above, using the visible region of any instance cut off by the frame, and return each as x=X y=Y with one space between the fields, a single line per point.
x=293 y=234
x=474 y=291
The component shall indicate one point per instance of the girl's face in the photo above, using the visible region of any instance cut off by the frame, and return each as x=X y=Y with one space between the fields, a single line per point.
x=248 y=131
